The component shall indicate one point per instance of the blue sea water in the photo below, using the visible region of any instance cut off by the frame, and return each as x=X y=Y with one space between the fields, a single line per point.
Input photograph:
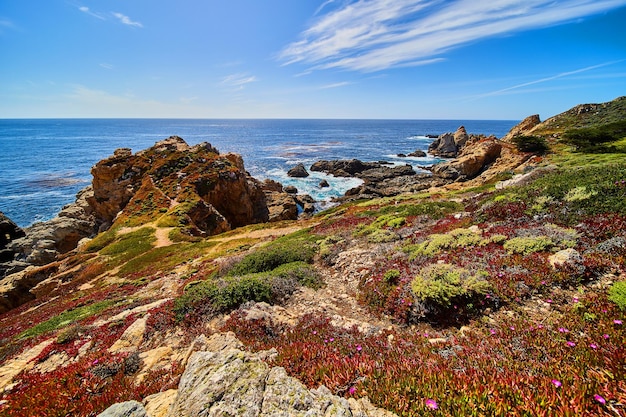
x=45 y=162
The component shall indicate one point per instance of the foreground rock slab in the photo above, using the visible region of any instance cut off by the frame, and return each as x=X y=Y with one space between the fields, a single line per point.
x=230 y=382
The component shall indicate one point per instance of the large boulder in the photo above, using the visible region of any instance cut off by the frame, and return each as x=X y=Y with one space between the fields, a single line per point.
x=470 y=162
x=9 y=231
x=444 y=146
x=299 y=171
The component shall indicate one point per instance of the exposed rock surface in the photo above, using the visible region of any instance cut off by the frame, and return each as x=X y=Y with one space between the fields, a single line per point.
x=44 y=241
x=444 y=146
x=522 y=127
x=234 y=382
x=299 y=171
x=125 y=409
x=9 y=231
x=472 y=160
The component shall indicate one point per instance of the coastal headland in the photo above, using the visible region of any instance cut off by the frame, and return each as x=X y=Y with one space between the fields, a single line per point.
x=178 y=285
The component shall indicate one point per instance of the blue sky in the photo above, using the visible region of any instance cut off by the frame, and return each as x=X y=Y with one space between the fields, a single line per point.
x=391 y=59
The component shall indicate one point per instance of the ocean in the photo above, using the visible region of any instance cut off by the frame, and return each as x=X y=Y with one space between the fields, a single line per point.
x=45 y=162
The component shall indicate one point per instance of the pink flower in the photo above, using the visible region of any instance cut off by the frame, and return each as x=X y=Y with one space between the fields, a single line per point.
x=599 y=398
x=571 y=344
x=593 y=346
x=557 y=383
x=332 y=339
x=358 y=348
x=352 y=390
x=492 y=331
x=314 y=331
x=606 y=336
x=575 y=299
x=563 y=330
x=432 y=404
x=617 y=321
x=549 y=301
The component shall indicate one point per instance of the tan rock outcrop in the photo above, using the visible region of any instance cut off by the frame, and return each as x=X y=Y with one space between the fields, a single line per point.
x=522 y=127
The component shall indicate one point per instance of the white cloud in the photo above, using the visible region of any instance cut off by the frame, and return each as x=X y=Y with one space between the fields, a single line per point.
x=86 y=10
x=335 y=85
x=372 y=35
x=126 y=20
x=238 y=81
x=107 y=66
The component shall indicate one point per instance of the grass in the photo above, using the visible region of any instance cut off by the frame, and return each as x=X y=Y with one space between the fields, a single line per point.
x=129 y=245
x=66 y=318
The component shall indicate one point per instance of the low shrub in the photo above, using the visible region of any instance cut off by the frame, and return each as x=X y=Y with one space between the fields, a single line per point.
x=595 y=139
x=530 y=143
x=130 y=245
x=297 y=247
x=617 y=294
x=214 y=295
x=528 y=245
x=440 y=285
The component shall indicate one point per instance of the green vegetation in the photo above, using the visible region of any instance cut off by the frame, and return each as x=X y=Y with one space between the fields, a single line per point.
x=532 y=144
x=441 y=284
x=597 y=139
x=617 y=294
x=528 y=245
x=66 y=318
x=296 y=247
x=457 y=238
x=130 y=245
x=164 y=258
x=220 y=295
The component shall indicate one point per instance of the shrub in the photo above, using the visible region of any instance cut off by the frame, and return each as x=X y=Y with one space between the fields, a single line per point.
x=594 y=139
x=441 y=284
x=528 y=245
x=617 y=294
x=297 y=247
x=532 y=144
x=456 y=238
x=205 y=298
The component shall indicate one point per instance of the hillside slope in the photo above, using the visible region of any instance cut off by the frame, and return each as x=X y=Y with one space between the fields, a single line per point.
x=451 y=302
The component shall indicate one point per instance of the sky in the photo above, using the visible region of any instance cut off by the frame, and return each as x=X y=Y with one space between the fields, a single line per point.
x=357 y=59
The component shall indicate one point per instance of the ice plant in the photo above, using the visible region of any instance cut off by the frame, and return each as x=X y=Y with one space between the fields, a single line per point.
x=617 y=321
x=556 y=383
x=599 y=398
x=432 y=404
x=571 y=344
x=593 y=346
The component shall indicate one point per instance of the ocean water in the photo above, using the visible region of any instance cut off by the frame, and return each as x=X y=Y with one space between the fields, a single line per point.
x=45 y=162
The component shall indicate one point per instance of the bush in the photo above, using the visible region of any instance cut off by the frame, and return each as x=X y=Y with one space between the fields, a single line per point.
x=532 y=144
x=528 y=245
x=205 y=298
x=297 y=247
x=440 y=285
x=594 y=139
x=617 y=294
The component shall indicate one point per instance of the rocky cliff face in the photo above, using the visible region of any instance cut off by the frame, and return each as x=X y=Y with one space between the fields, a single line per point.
x=212 y=192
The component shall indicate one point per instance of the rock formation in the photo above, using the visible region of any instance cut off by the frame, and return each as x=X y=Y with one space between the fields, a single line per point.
x=299 y=171
x=229 y=381
x=470 y=162
x=522 y=127
x=9 y=231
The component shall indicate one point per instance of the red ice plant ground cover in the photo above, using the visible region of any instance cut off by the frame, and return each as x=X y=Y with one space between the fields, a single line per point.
x=517 y=367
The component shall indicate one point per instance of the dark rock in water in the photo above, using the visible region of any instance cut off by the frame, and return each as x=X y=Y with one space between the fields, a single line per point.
x=324 y=184
x=9 y=232
x=418 y=154
x=299 y=171
x=290 y=189
x=344 y=168
x=401 y=155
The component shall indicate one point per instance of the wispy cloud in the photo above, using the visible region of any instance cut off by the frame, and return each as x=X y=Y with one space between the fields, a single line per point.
x=86 y=10
x=127 y=20
x=546 y=79
x=372 y=35
x=335 y=85
x=107 y=66
x=238 y=81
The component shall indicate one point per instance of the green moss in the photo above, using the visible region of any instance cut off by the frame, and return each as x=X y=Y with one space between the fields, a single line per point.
x=528 y=245
x=440 y=284
x=457 y=238
x=102 y=240
x=617 y=294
